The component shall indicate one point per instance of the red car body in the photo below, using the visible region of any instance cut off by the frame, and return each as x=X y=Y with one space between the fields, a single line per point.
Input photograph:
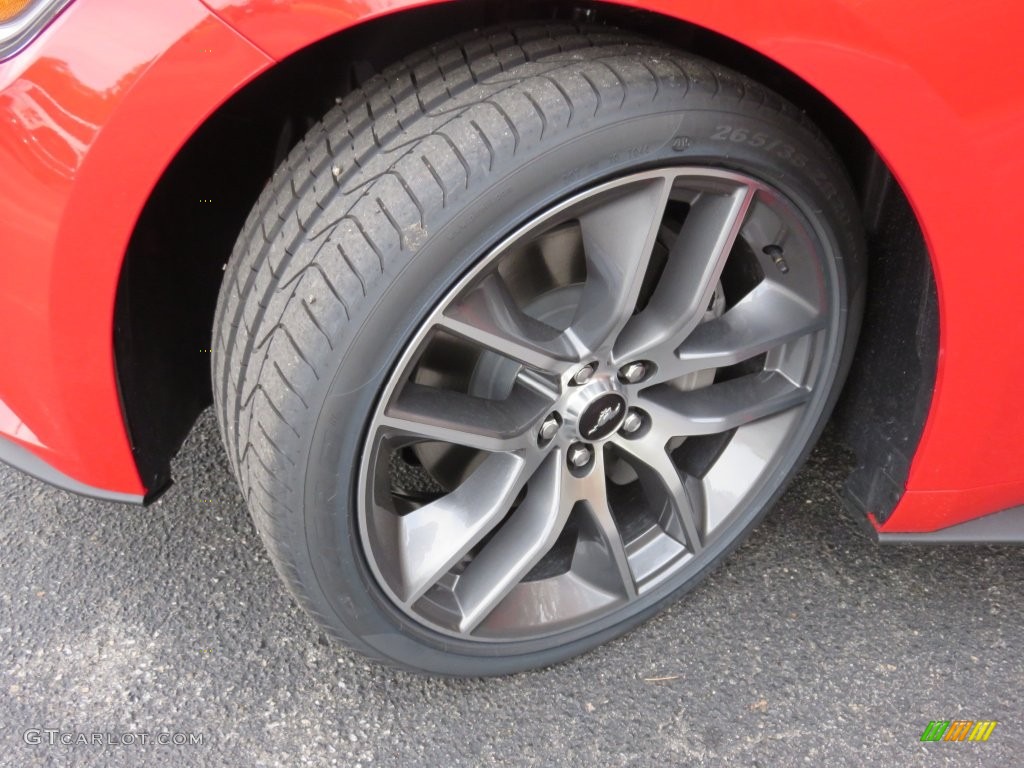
x=95 y=109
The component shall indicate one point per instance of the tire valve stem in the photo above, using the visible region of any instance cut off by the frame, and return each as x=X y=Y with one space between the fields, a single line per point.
x=775 y=253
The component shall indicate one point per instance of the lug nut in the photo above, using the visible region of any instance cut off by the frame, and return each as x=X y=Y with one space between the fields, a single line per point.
x=579 y=455
x=549 y=427
x=633 y=372
x=583 y=374
x=632 y=422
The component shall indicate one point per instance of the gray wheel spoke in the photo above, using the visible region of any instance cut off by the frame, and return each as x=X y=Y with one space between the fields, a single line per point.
x=594 y=493
x=489 y=316
x=618 y=239
x=520 y=544
x=431 y=539
x=475 y=422
x=683 y=512
x=768 y=317
x=721 y=407
x=695 y=263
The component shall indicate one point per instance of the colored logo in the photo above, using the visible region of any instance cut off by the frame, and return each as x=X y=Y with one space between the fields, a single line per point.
x=958 y=730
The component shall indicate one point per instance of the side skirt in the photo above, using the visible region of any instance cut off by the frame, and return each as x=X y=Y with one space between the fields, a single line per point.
x=1006 y=527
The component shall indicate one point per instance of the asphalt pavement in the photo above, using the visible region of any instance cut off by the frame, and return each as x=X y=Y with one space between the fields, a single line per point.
x=811 y=646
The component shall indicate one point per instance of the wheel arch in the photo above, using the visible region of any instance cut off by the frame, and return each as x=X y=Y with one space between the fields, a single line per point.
x=163 y=321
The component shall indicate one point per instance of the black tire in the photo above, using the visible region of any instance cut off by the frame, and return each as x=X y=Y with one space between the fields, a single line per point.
x=387 y=201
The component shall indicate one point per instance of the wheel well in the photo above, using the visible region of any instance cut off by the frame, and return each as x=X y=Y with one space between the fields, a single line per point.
x=184 y=236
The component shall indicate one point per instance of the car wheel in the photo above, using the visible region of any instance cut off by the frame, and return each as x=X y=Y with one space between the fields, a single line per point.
x=525 y=336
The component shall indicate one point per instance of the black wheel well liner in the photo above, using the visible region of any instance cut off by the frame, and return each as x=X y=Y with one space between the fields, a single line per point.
x=184 y=236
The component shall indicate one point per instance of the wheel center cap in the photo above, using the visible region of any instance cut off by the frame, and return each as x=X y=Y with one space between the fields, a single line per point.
x=602 y=416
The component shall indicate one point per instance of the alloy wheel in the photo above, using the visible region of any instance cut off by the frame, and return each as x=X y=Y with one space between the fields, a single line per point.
x=585 y=414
